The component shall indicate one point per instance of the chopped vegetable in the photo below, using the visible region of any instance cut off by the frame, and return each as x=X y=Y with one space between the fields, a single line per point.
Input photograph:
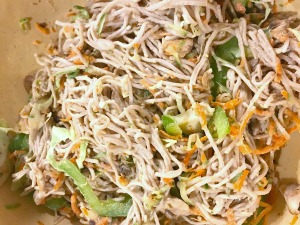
x=109 y=207
x=155 y=197
x=37 y=115
x=176 y=30
x=56 y=203
x=81 y=14
x=182 y=188
x=13 y=206
x=189 y=121
x=101 y=23
x=82 y=154
x=229 y=51
x=220 y=120
x=219 y=78
x=170 y=125
x=25 y=23
x=19 y=142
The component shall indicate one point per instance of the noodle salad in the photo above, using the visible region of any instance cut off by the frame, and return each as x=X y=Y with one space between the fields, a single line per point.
x=159 y=112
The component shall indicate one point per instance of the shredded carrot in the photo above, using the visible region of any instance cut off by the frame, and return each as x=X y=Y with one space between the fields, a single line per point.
x=278 y=142
x=40 y=223
x=75 y=147
x=234 y=130
x=69 y=118
x=262 y=214
x=230 y=217
x=201 y=113
x=204 y=138
x=198 y=173
x=239 y=183
x=74 y=206
x=59 y=181
x=245 y=149
x=193 y=60
x=274 y=9
x=136 y=45
x=278 y=70
x=73 y=160
x=123 y=180
x=294 y=116
x=294 y=220
x=189 y=154
x=168 y=181
x=272 y=128
x=285 y=94
x=232 y=104
x=42 y=28
x=262 y=112
x=292 y=129
x=85 y=211
x=245 y=122
x=203 y=158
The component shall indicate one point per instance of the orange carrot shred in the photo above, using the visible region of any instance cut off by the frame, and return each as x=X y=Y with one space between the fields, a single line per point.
x=40 y=223
x=278 y=70
x=232 y=104
x=168 y=181
x=285 y=94
x=245 y=149
x=230 y=217
x=59 y=181
x=239 y=183
x=189 y=154
x=294 y=220
x=201 y=113
x=278 y=142
x=263 y=213
x=203 y=158
x=42 y=28
x=245 y=122
x=74 y=206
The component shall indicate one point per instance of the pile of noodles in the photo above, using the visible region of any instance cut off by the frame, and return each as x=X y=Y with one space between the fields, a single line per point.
x=111 y=77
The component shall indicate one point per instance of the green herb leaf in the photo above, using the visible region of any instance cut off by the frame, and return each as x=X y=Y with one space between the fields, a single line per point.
x=25 y=23
x=19 y=142
x=12 y=206
x=101 y=23
x=56 y=203
x=82 y=13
